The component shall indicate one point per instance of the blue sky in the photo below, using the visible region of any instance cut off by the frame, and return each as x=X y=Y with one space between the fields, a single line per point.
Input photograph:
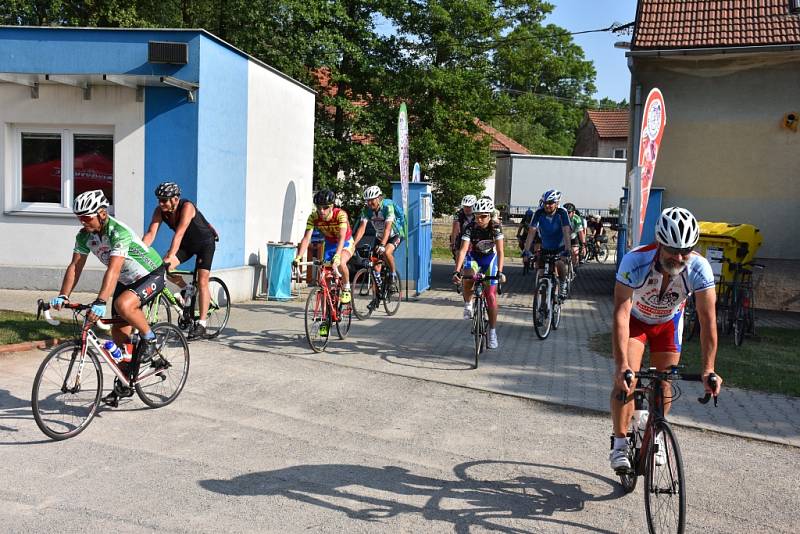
x=613 y=77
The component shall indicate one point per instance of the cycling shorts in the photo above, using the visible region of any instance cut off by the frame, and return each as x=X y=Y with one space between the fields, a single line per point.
x=483 y=264
x=147 y=288
x=330 y=249
x=547 y=252
x=204 y=253
x=395 y=240
x=663 y=337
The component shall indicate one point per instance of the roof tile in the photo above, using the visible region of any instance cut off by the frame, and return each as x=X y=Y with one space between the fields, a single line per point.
x=610 y=123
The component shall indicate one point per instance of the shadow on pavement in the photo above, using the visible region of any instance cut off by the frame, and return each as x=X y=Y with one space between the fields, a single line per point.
x=484 y=494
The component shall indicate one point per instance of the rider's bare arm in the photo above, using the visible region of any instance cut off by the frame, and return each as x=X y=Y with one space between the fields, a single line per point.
x=73 y=273
x=155 y=223
x=362 y=227
x=301 y=251
x=111 y=277
x=187 y=214
x=531 y=237
x=621 y=332
x=705 y=302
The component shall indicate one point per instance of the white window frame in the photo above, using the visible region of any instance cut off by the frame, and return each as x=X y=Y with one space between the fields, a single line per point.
x=14 y=203
x=624 y=153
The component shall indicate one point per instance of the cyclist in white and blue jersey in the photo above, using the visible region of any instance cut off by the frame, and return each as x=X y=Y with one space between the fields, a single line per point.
x=551 y=222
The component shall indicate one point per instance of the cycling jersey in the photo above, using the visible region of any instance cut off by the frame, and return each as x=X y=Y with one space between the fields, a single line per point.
x=576 y=224
x=638 y=270
x=482 y=240
x=330 y=228
x=117 y=239
x=463 y=220
x=381 y=217
x=198 y=233
x=550 y=227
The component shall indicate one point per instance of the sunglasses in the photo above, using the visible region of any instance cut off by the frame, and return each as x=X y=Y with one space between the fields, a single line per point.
x=551 y=203
x=164 y=199
x=676 y=251
x=86 y=218
x=482 y=216
x=324 y=206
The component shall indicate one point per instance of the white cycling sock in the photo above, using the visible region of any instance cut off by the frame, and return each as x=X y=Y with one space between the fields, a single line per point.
x=347 y=286
x=202 y=323
x=620 y=443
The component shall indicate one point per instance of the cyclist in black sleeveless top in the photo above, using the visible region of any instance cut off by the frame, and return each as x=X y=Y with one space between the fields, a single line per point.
x=194 y=236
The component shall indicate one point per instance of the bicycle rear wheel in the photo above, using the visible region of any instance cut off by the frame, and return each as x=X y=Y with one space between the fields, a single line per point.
x=345 y=319
x=601 y=254
x=162 y=380
x=542 y=312
x=665 y=491
x=219 y=308
x=158 y=310
x=477 y=328
x=364 y=293
x=393 y=295
x=690 y=323
x=740 y=322
x=64 y=403
x=318 y=320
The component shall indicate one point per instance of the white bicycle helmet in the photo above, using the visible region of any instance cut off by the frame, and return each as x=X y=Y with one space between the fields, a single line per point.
x=484 y=205
x=468 y=201
x=90 y=202
x=551 y=195
x=677 y=228
x=371 y=192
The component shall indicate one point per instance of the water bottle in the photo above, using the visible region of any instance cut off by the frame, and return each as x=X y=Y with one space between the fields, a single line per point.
x=179 y=298
x=113 y=350
x=640 y=416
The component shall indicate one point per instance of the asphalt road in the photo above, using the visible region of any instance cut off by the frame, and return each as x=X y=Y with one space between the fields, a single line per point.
x=277 y=443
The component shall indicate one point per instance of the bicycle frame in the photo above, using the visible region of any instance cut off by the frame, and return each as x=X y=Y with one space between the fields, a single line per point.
x=186 y=311
x=325 y=273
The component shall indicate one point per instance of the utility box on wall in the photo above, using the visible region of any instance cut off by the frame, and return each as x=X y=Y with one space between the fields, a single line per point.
x=420 y=236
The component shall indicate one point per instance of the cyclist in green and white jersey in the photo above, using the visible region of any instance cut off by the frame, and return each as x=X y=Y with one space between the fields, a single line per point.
x=386 y=221
x=578 y=233
x=134 y=275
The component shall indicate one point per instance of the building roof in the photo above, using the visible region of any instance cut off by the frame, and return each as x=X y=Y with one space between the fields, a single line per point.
x=667 y=24
x=610 y=123
x=500 y=141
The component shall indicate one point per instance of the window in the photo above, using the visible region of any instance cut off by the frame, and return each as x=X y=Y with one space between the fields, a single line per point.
x=620 y=153
x=54 y=165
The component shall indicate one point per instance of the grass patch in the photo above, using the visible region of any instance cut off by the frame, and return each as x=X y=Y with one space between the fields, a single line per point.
x=19 y=327
x=770 y=364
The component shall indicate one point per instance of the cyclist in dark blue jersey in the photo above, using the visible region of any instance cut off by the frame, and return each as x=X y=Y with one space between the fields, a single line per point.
x=551 y=222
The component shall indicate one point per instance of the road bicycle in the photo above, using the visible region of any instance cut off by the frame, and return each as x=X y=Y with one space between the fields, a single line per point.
x=187 y=310
x=595 y=249
x=480 y=313
x=68 y=386
x=691 y=324
x=653 y=450
x=324 y=307
x=546 y=300
x=373 y=285
x=737 y=300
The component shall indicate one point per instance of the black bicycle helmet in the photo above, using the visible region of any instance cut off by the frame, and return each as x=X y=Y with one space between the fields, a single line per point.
x=569 y=206
x=323 y=197
x=168 y=190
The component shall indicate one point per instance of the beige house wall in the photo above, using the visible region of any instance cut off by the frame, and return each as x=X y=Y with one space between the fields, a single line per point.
x=725 y=154
x=606 y=147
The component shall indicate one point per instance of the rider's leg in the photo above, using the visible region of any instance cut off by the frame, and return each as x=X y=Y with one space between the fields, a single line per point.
x=203 y=294
x=389 y=256
x=491 y=304
x=621 y=412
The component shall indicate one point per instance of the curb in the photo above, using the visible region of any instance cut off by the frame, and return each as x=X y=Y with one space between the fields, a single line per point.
x=30 y=345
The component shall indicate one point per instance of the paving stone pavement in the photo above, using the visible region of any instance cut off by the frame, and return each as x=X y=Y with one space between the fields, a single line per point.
x=429 y=340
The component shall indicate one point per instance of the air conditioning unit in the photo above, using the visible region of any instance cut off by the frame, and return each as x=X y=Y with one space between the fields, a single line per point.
x=167 y=52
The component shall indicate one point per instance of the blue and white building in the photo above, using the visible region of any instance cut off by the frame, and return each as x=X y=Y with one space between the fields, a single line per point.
x=125 y=109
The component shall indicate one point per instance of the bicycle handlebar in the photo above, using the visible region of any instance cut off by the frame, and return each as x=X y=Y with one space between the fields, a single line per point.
x=43 y=309
x=673 y=373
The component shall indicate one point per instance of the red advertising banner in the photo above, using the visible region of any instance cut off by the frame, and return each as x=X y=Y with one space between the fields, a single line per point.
x=653 y=123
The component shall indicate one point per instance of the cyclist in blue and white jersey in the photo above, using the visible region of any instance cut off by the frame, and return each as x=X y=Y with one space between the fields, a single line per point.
x=551 y=222
x=388 y=232
x=653 y=283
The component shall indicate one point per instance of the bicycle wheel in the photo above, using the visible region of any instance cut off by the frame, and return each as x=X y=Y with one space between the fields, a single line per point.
x=665 y=491
x=345 y=319
x=158 y=310
x=477 y=327
x=393 y=295
x=219 y=309
x=601 y=254
x=318 y=320
x=162 y=380
x=364 y=294
x=690 y=323
x=628 y=478
x=64 y=403
x=740 y=322
x=542 y=312
x=556 y=320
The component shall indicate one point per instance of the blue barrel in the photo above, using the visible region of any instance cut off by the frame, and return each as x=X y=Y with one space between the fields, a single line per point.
x=279 y=271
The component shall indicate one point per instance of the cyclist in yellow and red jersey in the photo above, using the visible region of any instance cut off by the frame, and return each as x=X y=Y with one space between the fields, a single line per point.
x=333 y=224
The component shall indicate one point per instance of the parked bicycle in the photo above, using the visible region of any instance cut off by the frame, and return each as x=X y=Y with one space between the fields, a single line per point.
x=480 y=313
x=373 y=285
x=546 y=301
x=324 y=308
x=653 y=449
x=68 y=386
x=736 y=302
x=186 y=309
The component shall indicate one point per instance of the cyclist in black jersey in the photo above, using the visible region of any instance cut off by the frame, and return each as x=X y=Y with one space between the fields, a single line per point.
x=194 y=236
x=461 y=219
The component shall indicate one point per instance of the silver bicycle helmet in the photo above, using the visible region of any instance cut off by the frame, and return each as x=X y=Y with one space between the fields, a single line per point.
x=371 y=192
x=90 y=202
x=677 y=228
x=468 y=201
x=484 y=205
